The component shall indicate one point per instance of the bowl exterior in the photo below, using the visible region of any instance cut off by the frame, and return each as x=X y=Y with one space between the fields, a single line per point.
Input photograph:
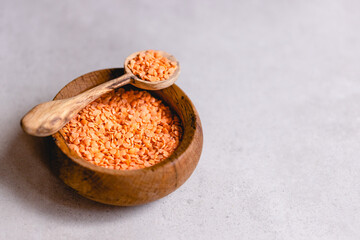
x=129 y=187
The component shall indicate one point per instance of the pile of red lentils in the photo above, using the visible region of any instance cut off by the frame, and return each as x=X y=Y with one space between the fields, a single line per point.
x=152 y=66
x=124 y=129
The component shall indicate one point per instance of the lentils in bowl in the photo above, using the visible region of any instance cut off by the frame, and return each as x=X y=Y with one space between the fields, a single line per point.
x=124 y=129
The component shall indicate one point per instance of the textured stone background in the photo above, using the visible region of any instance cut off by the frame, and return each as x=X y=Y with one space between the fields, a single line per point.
x=276 y=84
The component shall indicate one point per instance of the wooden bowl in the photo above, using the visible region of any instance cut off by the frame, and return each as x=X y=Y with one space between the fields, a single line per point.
x=129 y=187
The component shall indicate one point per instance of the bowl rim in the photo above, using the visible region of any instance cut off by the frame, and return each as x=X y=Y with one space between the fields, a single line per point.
x=171 y=160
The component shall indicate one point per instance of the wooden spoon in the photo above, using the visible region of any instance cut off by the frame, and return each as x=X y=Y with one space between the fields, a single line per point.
x=47 y=118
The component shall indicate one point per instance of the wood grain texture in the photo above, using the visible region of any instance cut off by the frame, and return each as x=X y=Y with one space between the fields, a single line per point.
x=129 y=187
x=47 y=118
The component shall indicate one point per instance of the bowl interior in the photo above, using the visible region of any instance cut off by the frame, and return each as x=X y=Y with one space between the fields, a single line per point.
x=172 y=96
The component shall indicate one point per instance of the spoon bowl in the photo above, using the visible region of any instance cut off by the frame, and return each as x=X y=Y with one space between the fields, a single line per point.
x=143 y=84
x=47 y=118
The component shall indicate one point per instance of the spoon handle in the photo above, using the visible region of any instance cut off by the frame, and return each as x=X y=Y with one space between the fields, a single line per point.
x=47 y=118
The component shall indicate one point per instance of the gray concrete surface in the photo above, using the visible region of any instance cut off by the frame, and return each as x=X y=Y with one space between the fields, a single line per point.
x=276 y=84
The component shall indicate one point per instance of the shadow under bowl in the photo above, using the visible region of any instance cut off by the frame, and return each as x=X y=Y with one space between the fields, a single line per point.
x=129 y=187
